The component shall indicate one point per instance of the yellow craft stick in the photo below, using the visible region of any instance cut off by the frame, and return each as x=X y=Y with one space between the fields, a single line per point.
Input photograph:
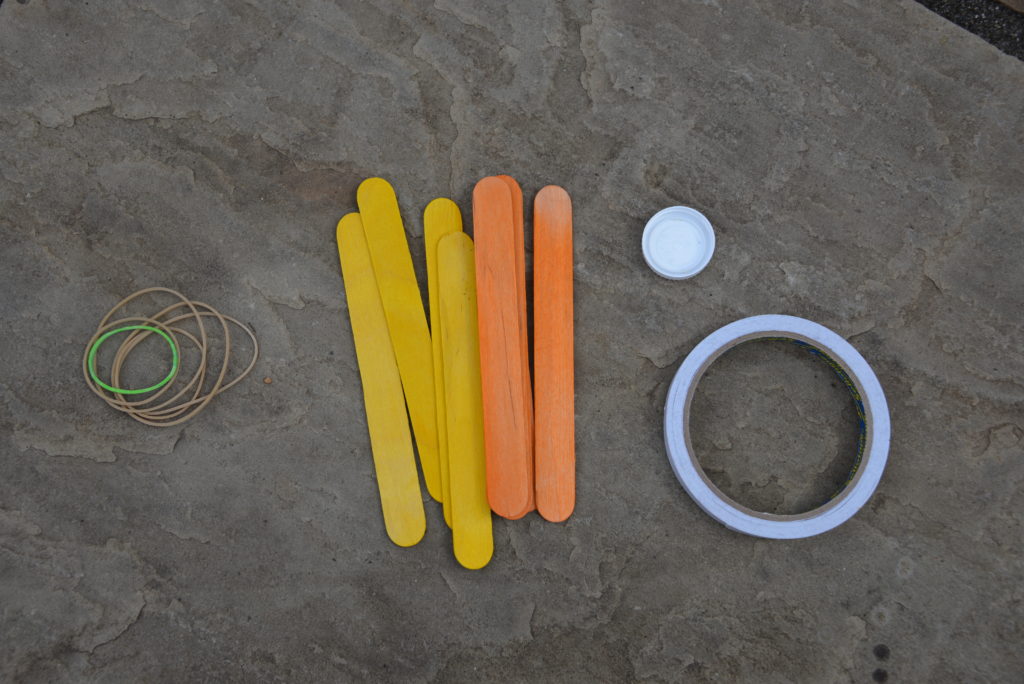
x=440 y=218
x=400 y=498
x=407 y=324
x=472 y=536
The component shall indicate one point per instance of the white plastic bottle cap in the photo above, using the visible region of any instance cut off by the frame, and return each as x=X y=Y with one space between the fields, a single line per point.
x=678 y=242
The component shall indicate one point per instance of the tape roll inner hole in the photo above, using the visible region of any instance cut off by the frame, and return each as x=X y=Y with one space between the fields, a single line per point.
x=776 y=426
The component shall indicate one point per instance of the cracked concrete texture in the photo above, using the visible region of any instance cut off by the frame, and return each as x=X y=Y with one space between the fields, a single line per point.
x=861 y=162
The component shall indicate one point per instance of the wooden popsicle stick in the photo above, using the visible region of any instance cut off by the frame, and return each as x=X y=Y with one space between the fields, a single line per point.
x=524 y=341
x=554 y=410
x=440 y=218
x=407 y=324
x=505 y=436
x=472 y=537
x=390 y=440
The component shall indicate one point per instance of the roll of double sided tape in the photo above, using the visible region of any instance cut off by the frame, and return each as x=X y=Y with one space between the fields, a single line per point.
x=853 y=370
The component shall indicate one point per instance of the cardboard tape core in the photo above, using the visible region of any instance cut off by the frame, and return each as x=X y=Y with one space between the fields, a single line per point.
x=872 y=409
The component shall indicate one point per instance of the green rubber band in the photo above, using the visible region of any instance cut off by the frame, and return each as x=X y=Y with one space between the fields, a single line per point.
x=96 y=345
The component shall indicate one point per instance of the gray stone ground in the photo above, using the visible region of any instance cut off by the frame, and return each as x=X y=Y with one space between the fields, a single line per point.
x=862 y=164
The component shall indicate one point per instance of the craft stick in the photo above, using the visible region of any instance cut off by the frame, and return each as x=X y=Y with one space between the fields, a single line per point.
x=553 y=354
x=390 y=440
x=472 y=537
x=524 y=342
x=407 y=324
x=505 y=435
x=440 y=218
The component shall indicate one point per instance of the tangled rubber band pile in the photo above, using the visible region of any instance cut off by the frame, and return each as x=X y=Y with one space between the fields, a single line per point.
x=162 y=407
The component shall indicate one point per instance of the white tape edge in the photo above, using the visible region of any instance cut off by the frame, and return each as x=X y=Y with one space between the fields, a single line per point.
x=847 y=501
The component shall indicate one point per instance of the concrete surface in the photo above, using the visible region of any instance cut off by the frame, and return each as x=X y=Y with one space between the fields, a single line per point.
x=861 y=162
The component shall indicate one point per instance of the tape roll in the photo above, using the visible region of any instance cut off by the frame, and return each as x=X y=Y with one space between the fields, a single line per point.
x=849 y=365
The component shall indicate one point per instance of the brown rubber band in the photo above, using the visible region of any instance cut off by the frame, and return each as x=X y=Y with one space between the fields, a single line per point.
x=179 y=407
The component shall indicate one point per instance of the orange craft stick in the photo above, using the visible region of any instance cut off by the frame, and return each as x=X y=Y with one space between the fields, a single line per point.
x=506 y=439
x=524 y=341
x=554 y=410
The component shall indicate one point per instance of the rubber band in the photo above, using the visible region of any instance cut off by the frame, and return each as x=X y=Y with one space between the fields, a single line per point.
x=188 y=398
x=96 y=345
